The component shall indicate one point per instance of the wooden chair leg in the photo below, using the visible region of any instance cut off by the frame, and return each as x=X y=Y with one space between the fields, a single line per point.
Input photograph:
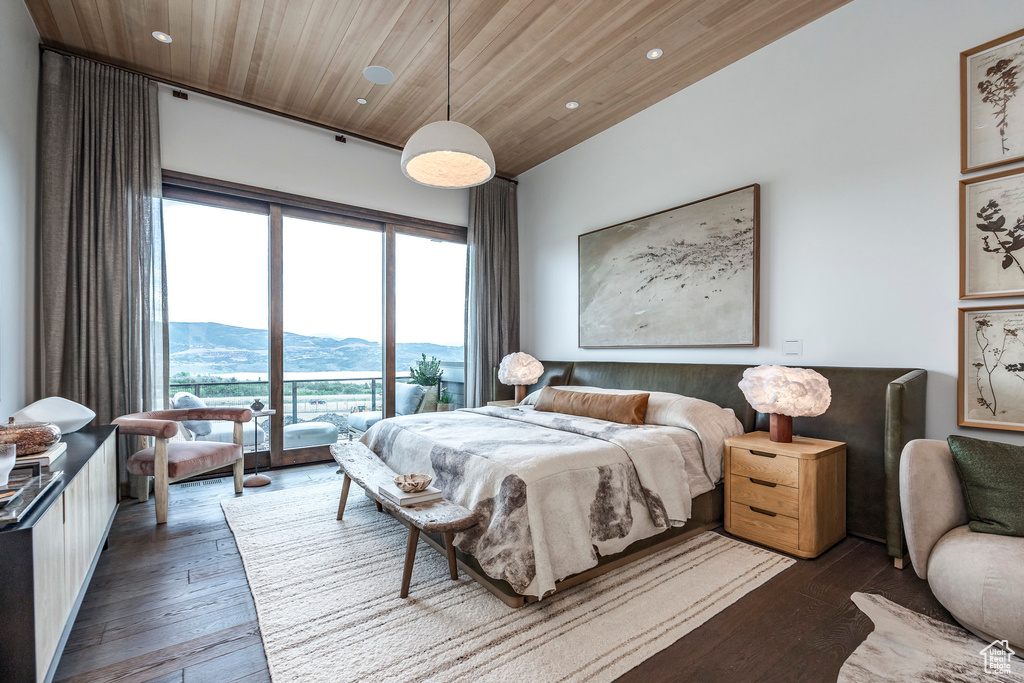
x=161 y=483
x=141 y=487
x=238 y=434
x=410 y=557
x=449 y=550
x=344 y=496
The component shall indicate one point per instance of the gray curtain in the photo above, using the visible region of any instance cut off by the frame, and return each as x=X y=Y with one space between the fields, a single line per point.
x=102 y=303
x=492 y=285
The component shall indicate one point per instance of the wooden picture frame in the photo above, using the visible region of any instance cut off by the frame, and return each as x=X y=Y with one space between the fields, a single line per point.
x=992 y=235
x=992 y=132
x=990 y=375
x=688 y=276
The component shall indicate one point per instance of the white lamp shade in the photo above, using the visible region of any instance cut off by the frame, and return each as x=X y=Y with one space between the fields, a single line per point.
x=797 y=392
x=448 y=154
x=519 y=369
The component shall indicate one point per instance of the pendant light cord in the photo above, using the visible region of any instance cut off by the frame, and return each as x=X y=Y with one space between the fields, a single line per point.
x=449 y=116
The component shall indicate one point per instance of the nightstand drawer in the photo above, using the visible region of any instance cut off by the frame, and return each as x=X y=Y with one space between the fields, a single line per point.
x=768 y=496
x=777 y=469
x=774 y=530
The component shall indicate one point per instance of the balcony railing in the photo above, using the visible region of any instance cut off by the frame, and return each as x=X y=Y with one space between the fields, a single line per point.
x=309 y=398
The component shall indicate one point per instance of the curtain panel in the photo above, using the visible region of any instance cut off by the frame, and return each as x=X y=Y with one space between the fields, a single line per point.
x=492 y=285
x=102 y=303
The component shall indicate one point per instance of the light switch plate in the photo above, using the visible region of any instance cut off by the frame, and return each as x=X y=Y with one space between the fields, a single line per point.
x=793 y=347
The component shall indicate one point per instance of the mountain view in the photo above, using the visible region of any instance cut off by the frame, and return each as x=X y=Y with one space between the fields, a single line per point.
x=212 y=348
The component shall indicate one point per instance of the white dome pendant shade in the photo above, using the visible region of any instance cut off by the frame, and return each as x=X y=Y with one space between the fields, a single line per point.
x=448 y=154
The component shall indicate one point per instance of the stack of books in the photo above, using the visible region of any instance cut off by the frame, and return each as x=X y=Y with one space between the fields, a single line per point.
x=46 y=458
x=399 y=497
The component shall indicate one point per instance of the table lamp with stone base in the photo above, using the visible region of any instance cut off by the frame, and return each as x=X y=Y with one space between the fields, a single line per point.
x=784 y=393
x=520 y=370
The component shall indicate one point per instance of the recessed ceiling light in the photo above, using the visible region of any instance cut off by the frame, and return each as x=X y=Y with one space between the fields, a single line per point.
x=361 y=100
x=378 y=75
x=655 y=53
x=572 y=105
x=162 y=37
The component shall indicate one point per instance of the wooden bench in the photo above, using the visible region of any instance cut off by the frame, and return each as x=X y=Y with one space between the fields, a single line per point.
x=362 y=466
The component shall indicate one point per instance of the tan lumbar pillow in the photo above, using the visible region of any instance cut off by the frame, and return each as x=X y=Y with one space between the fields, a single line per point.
x=625 y=408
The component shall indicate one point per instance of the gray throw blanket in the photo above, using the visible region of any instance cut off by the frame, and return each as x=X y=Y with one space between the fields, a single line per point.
x=554 y=491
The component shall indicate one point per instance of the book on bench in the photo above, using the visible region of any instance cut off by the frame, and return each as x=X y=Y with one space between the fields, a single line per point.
x=400 y=497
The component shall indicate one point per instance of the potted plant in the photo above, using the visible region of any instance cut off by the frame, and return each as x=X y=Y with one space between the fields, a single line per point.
x=444 y=401
x=428 y=374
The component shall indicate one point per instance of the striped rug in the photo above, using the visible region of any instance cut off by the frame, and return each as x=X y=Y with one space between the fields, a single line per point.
x=327 y=597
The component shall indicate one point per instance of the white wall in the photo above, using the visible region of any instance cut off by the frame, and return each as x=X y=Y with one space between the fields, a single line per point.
x=851 y=126
x=220 y=140
x=19 y=78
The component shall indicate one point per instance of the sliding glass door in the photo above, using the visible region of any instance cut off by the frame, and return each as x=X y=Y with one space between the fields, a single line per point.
x=333 y=364
x=430 y=312
x=317 y=309
x=218 y=307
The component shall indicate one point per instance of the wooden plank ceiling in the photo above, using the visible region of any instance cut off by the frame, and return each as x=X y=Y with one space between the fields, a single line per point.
x=515 y=63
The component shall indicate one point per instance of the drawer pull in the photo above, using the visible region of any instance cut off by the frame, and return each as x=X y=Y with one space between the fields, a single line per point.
x=762 y=482
x=760 y=511
x=763 y=454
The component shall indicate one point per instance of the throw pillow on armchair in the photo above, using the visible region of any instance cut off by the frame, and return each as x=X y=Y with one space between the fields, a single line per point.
x=992 y=475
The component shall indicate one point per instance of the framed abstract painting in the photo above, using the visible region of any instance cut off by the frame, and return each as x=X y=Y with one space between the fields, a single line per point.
x=687 y=276
x=991 y=105
x=992 y=235
x=990 y=381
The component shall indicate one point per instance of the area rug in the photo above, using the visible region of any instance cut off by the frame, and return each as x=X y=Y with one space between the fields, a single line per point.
x=326 y=594
x=909 y=647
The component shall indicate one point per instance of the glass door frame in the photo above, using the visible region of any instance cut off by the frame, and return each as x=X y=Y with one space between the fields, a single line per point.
x=278 y=205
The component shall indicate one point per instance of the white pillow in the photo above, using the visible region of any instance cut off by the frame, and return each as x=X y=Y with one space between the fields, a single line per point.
x=710 y=422
x=67 y=415
x=183 y=400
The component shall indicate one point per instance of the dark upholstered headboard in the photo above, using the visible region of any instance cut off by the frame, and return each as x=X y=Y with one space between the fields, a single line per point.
x=876 y=411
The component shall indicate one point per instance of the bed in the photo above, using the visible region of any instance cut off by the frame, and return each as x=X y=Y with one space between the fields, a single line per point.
x=566 y=498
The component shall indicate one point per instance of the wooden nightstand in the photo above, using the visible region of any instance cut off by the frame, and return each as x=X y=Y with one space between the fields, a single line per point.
x=790 y=496
x=503 y=404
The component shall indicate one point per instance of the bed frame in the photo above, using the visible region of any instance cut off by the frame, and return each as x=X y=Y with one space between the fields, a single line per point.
x=876 y=411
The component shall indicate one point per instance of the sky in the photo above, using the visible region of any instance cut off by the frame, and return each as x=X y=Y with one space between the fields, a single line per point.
x=332 y=277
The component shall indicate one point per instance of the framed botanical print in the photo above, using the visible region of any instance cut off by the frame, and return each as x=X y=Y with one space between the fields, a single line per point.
x=991 y=104
x=990 y=380
x=992 y=235
x=686 y=276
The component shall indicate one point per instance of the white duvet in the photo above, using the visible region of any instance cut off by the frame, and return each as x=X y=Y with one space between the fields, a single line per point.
x=556 y=492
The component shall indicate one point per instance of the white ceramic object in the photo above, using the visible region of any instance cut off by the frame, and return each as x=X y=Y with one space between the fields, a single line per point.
x=67 y=415
x=8 y=455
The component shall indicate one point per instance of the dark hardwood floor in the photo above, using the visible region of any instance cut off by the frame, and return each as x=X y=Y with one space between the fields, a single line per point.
x=171 y=604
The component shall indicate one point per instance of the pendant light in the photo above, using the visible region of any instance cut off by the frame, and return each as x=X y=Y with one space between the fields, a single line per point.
x=446 y=153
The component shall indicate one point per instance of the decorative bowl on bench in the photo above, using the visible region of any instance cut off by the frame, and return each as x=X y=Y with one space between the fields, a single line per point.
x=412 y=483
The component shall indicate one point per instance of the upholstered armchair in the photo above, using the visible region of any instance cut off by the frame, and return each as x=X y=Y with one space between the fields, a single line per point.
x=168 y=462
x=978 y=577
